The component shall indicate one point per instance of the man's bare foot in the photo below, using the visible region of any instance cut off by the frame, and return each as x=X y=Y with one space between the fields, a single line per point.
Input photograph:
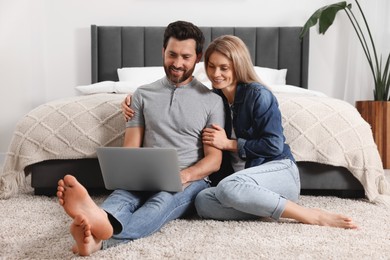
x=86 y=243
x=317 y=216
x=75 y=200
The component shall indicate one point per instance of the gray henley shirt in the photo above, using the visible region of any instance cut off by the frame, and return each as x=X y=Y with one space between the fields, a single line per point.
x=174 y=117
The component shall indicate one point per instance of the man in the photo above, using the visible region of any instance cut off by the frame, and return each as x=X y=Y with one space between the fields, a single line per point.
x=171 y=112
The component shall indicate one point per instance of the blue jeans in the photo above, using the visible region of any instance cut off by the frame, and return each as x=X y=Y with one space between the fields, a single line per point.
x=139 y=214
x=260 y=191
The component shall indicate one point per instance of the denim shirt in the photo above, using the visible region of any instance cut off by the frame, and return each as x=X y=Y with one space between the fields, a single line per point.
x=257 y=122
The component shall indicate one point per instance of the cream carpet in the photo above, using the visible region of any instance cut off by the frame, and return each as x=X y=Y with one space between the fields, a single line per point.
x=35 y=227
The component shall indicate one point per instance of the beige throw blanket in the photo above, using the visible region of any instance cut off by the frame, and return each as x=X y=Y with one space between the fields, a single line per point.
x=318 y=129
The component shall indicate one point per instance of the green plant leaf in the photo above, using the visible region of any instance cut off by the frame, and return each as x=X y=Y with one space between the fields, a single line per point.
x=328 y=15
x=386 y=79
x=324 y=16
x=382 y=82
x=311 y=22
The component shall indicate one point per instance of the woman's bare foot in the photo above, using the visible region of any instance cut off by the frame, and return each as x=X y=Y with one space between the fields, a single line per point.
x=324 y=218
x=75 y=200
x=317 y=216
x=86 y=243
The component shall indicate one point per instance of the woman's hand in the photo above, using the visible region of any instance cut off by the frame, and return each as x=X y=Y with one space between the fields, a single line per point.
x=216 y=137
x=128 y=113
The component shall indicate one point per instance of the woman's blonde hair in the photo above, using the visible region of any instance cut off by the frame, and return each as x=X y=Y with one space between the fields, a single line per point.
x=235 y=50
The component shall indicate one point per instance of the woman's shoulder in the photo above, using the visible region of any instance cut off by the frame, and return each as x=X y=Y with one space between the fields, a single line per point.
x=259 y=88
x=257 y=92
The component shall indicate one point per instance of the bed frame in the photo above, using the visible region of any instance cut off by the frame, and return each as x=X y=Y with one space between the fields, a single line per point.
x=274 y=47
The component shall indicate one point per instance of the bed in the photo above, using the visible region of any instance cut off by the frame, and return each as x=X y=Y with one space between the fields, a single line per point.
x=332 y=144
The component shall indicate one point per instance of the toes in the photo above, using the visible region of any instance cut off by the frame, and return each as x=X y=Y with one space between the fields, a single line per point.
x=69 y=180
x=87 y=230
x=60 y=196
x=61 y=182
x=87 y=239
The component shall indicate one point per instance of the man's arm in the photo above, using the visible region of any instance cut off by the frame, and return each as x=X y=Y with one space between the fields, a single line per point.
x=210 y=163
x=133 y=137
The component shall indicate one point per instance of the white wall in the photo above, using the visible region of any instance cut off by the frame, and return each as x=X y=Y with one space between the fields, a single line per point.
x=45 y=44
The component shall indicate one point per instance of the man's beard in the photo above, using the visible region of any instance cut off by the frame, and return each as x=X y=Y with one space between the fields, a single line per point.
x=177 y=80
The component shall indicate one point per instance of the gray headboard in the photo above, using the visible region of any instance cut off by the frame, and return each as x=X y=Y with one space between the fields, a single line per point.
x=134 y=46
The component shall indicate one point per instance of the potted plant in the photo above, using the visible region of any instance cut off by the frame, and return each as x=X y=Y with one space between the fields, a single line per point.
x=376 y=112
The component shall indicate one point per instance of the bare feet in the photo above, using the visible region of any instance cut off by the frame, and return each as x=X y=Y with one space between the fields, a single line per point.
x=317 y=217
x=75 y=200
x=324 y=218
x=86 y=243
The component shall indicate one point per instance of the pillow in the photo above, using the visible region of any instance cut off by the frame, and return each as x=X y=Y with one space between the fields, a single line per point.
x=295 y=90
x=141 y=75
x=271 y=76
x=119 y=87
x=126 y=87
x=100 y=87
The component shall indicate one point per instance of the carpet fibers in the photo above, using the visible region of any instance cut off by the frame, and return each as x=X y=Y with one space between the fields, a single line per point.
x=35 y=227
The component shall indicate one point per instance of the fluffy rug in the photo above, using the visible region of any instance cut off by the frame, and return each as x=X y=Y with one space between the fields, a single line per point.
x=35 y=227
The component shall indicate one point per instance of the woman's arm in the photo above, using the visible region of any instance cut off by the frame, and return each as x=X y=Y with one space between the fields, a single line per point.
x=216 y=137
x=128 y=113
x=266 y=139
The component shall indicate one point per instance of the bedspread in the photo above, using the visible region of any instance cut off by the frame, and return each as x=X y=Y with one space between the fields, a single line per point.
x=331 y=131
x=318 y=129
x=68 y=128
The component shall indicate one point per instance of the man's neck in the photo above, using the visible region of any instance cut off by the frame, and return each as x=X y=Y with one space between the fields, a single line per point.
x=184 y=83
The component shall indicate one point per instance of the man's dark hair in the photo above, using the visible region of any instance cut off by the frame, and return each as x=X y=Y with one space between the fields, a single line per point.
x=182 y=30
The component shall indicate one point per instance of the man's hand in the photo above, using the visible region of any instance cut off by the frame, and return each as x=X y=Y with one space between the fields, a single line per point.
x=128 y=113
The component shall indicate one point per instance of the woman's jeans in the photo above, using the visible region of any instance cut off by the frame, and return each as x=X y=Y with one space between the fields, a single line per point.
x=139 y=214
x=260 y=191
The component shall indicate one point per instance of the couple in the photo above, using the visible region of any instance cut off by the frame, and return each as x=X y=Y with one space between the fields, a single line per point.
x=266 y=179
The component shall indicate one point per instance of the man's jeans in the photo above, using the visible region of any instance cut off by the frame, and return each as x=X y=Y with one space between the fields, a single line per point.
x=260 y=191
x=139 y=214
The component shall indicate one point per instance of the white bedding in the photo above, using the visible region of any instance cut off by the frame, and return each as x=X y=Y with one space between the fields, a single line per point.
x=318 y=129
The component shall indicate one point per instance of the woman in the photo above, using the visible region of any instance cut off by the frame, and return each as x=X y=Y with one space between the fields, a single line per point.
x=266 y=179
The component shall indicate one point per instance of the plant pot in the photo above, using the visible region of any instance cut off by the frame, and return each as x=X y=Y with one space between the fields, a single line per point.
x=377 y=114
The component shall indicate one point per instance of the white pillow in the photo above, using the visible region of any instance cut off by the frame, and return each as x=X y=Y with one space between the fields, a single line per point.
x=141 y=75
x=100 y=87
x=119 y=87
x=271 y=76
x=295 y=90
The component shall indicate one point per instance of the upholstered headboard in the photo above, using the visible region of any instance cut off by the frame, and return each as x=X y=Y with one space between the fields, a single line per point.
x=133 y=46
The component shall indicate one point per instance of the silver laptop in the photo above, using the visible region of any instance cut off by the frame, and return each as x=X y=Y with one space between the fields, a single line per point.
x=140 y=169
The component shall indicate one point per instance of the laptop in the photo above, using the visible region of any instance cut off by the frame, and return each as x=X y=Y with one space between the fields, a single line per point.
x=140 y=169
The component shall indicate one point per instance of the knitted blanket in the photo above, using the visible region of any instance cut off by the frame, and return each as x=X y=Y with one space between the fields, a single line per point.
x=318 y=129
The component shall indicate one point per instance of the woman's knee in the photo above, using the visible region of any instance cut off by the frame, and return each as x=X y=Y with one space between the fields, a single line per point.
x=227 y=191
